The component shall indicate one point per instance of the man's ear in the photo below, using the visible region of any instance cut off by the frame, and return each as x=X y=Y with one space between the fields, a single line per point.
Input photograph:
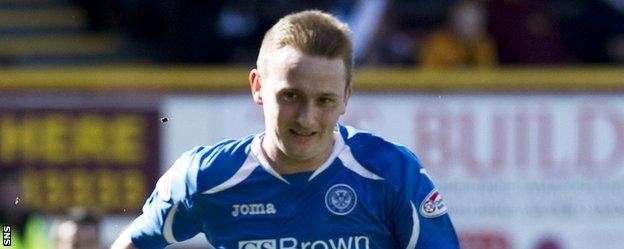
x=347 y=95
x=256 y=86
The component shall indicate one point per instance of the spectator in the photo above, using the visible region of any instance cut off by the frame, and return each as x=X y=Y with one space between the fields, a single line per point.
x=463 y=41
x=28 y=228
x=525 y=32
x=593 y=31
x=79 y=231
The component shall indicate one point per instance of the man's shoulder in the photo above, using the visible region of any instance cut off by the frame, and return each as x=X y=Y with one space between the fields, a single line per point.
x=208 y=166
x=224 y=152
x=390 y=160
x=367 y=145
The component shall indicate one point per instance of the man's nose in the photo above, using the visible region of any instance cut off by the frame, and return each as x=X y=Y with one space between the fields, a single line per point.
x=305 y=115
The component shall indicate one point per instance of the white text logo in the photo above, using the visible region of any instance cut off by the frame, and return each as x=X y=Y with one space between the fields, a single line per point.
x=351 y=242
x=253 y=209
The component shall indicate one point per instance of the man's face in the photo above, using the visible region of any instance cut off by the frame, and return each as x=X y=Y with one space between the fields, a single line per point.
x=302 y=97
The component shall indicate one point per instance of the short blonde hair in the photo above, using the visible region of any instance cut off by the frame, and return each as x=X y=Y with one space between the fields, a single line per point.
x=312 y=32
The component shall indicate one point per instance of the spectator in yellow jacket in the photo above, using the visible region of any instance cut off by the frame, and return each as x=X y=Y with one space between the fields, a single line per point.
x=463 y=41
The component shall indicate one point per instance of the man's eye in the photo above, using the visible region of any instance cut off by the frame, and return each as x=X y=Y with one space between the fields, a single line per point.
x=326 y=101
x=290 y=96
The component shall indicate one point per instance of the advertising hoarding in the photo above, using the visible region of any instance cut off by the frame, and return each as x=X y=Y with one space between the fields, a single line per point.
x=517 y=171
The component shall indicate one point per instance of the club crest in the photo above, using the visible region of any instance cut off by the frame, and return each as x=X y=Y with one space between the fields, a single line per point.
x=340 y=199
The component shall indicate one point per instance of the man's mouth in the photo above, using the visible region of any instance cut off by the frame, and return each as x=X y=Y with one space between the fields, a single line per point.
x=302 y=133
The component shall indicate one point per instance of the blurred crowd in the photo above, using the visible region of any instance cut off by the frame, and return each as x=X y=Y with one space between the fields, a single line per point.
x=78 y=228
x=431 y=33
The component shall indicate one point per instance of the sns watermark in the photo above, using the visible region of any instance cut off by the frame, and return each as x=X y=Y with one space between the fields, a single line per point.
x=6 y=235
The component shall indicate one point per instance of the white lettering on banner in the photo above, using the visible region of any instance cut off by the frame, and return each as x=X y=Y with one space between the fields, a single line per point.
x=351 y=242
x=588 y=141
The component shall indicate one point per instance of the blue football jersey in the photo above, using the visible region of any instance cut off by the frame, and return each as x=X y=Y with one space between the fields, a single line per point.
x=370 y=193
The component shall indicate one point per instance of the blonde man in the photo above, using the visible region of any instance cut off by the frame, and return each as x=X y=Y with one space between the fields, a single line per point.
x=305 y=182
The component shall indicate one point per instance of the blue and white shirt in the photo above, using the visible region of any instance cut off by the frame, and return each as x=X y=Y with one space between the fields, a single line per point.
x=370 y=193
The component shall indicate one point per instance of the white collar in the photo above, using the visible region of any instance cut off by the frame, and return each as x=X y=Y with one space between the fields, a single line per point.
x=256 y=151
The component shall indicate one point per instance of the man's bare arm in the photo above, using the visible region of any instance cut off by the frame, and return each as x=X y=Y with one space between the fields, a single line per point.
x=123 y=241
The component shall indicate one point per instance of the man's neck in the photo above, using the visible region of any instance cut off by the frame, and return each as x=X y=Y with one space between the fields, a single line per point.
x=283 y=164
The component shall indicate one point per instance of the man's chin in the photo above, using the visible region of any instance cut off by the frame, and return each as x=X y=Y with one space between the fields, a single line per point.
x=301 y=154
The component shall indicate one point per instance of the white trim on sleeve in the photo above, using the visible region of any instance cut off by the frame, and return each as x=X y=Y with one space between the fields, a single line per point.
x=168 y=227
x=415 y=228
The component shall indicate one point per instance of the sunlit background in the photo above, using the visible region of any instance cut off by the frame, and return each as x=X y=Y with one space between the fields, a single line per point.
x=515 y=107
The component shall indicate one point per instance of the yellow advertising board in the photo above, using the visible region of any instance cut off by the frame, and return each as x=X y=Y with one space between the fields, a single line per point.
x=101 y=159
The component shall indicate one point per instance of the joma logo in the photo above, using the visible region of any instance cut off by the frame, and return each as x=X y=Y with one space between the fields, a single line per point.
x=253 y=209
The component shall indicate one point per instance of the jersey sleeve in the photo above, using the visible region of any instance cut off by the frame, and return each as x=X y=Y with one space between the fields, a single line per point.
x=167 y=214
x=420 y=216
